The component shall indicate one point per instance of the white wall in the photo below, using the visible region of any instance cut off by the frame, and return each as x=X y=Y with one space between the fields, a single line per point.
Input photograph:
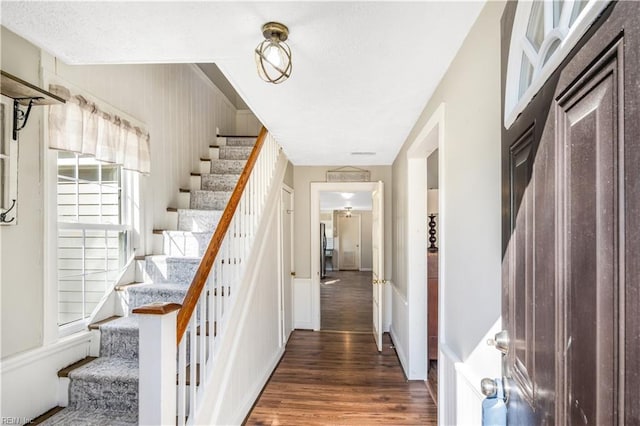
x=469 y=204
x=247 y=124
x=21 y=256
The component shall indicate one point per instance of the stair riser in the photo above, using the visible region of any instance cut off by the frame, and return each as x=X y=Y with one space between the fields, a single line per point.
x=231 y=141
x=121 y=343
x=222 y=182
x=235 y=152
x=209 y=200
x=186 y=243
x=227 y=166
x=114 y=395
x=198 y=220
x=173 y=270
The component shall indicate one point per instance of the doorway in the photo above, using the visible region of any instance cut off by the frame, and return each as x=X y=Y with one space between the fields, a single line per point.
x=316 y=190
x=425 y=276
x=346 y=256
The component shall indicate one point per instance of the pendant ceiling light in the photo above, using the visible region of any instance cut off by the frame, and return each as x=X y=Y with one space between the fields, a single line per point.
x=273 y=55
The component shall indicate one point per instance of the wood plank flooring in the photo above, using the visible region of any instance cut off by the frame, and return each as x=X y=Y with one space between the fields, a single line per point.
x=340 y=378
x=346 y=301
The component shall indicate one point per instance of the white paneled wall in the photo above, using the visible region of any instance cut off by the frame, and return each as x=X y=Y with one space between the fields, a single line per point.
x=180 y=107
x=459 y=391
x=247 y=124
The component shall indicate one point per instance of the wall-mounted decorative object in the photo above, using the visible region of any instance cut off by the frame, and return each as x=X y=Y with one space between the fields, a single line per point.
x=432 y=210
x=348 y=174
x=18 y=97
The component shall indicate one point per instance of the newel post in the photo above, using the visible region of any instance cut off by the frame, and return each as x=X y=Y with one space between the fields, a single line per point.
x=157 y=364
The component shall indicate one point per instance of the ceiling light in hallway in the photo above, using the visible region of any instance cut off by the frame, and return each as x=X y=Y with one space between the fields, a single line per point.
x=273 y=55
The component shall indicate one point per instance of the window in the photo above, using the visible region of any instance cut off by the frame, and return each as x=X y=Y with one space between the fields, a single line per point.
x=543 y=34
x=8 y=165
x=93 y=240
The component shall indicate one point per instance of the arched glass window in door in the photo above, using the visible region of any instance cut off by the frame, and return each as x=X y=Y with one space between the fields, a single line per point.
x=544 y=31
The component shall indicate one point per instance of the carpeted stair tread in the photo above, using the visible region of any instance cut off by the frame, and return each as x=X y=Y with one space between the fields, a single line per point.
x=96 y=325
x=108 y=368
x=75 y=417
x=69 y=368
x=108 y=383
x=156 y=292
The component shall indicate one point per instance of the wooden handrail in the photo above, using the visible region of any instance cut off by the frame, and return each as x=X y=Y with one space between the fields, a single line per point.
x=200 y=279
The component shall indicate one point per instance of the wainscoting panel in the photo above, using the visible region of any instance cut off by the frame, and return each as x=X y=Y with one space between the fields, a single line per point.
x=302 y=304
x=459 y=391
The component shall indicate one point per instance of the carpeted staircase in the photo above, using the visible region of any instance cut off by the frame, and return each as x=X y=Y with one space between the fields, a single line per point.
x=104 y=391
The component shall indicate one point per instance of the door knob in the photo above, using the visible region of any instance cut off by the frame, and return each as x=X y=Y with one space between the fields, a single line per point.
x=489 y=387
x=500 y=341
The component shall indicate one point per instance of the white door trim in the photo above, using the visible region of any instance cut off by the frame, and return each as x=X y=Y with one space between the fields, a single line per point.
x=314 y=194
x=430 y=138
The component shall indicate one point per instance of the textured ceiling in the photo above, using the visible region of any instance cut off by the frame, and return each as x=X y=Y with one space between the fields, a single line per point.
x=362 y=71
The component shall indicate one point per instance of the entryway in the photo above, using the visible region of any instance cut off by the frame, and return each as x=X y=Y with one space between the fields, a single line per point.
x=345 y=301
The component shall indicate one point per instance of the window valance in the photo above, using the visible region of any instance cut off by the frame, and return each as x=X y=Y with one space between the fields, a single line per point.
x=81 y=126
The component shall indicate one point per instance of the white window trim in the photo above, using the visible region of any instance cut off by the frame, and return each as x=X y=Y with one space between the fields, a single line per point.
x=568 y=39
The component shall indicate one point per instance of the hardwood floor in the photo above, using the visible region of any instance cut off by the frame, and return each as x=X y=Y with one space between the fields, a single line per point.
x=346 y=301
x=340 y=378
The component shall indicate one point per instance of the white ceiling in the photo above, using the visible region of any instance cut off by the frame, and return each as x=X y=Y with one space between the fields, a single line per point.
x=362 y=71
x=339 y=200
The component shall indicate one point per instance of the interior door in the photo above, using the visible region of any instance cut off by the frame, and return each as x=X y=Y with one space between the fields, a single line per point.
x=349 y=235
x=377 y=246
x=571 y=235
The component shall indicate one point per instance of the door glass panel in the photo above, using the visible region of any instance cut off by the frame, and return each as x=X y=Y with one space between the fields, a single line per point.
x=526 y=75
x=557 y=11
x=552 y=48
x=577 y=8
x=535 y=28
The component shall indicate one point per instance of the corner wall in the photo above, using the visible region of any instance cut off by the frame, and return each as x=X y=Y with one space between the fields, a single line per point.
x=470 y=205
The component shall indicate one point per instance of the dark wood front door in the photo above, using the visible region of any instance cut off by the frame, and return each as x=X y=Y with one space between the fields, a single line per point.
x=571 y=234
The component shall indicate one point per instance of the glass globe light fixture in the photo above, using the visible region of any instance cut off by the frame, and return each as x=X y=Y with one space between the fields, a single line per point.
x=273 y=55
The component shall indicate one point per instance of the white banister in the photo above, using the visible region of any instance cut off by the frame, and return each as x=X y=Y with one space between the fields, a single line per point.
x=204 y=325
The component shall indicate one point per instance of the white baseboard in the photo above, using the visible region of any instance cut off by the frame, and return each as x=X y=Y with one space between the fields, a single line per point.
x=253 y=394
x=401 y=356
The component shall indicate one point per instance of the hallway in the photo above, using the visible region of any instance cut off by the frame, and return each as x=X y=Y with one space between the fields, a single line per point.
x=340 y=378
x=346 y=301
